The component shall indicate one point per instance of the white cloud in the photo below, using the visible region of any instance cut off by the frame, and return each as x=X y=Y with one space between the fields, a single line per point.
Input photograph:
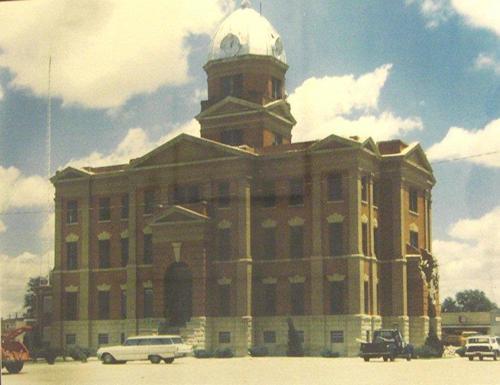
x=470 y=259
x=136 y=143
x=460 y=143
x=323 y=106
x=14 y=276
x=480 y=13
x=20 y=191
x=103 y=51
x=489 y=62
x=477 y=13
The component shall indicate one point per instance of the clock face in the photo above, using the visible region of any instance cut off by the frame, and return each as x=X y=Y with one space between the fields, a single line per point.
x=230 y=44
x=278 y=47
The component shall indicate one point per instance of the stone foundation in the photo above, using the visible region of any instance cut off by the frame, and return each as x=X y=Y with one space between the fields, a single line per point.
x=419 y=330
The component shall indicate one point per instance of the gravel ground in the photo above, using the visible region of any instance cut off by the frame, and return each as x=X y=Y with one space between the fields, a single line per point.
x=263 y=371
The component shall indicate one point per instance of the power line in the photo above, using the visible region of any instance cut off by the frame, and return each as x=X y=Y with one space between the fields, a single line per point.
x=466 y=157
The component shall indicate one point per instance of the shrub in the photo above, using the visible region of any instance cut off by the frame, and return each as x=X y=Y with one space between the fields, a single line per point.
x=259 y=351
x=328 y=353
x=426 y=351
x=78 y=353
x=434 y=343
x=460 y=351
x=295 y=348
x=202 y=353
x=224 y=353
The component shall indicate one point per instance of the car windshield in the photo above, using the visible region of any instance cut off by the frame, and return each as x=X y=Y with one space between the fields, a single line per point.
x=484 y=340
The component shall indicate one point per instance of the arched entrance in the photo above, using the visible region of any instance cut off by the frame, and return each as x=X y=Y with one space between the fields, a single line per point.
x=178 y=294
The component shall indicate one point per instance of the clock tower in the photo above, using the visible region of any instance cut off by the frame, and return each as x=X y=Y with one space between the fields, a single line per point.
x=246 y=84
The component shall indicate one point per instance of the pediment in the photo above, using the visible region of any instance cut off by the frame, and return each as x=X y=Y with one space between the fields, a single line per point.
x=185 y=149
x=282 y=109
x=371 y=146
x=334 y=142
x=229 y=106
x=69 y=173
x=416 y=156
x=176 y=215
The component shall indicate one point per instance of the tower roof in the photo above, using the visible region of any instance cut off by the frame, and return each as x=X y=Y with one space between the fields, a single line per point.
x=246 y=32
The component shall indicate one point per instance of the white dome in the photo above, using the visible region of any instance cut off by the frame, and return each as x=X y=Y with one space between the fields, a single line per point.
x=245 y=32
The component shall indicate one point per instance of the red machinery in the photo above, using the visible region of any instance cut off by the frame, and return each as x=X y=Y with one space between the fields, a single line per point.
x=14 y=353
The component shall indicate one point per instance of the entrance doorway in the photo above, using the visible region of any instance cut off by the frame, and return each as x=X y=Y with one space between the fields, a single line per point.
x=178 y=294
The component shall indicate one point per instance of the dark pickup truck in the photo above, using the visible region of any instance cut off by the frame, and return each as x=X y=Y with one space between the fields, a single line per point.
x=388 y=344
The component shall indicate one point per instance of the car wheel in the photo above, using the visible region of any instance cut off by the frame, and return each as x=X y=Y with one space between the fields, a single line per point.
x=408 y=357
x=495 y=356
x=14 y=367
x=392 y=358
x=155 y=359
x=169 y=360
x=385 y=358
x=471 y=358
x=107 y=359
x=481 y=358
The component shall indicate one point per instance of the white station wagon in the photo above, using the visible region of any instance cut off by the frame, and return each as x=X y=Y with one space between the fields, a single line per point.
x=154 y=348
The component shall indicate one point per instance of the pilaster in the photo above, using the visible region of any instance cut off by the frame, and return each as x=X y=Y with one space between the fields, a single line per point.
x=84 y=287
x=317 y=279
x=132 y=259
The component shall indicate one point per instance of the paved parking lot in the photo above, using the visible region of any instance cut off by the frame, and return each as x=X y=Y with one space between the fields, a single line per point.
x=263 y=371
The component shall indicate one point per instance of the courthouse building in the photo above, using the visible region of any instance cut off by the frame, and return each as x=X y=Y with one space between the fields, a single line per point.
x=224 y=236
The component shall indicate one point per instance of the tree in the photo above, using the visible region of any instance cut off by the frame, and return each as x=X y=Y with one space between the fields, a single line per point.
x=468 y=300
x=449 y=305
x=30 y=296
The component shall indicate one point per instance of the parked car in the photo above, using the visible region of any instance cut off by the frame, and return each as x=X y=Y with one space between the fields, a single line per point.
x=482 y=346
x=388 y=344
x=154 y=348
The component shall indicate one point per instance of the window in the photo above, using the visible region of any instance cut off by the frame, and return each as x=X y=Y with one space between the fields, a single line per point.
x=364 y=238
x=337 y=297
x=149 y=202
x=268 y=194
x=300 y=334
x=104 y=253
x=364 y=189
x=337 y=337
x=123 y=304
x=103 y=304
x=224 y=244
x=132 y=342
x=336 y=238
x=71 y=311
x=277 y=89
x=278 y=139
x=148 y=303
x=124 y=208
x=334 y=187
x=232 y=137
x=72 y=212
x=376 y=193
x=224 y=337
x=413 y=200
x=148 y=248
x=269 y=243
x=297 y=298
x=224 y=198
x=269 y=337
x=296 y=242
x=122 y=338
x=269 y=299
x=72 y=255
x=186 y=194
x=224 y=300
x=102 y=339
x=47 y=304
x=70 y=339
x=232 y=85
x=366 y=288
x=414 y=239
x=124 y=251
x=104 y=209
x=296 y=196
x=376 y=241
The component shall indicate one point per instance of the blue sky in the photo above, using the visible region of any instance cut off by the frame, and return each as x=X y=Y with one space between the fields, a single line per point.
x=126 y=77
